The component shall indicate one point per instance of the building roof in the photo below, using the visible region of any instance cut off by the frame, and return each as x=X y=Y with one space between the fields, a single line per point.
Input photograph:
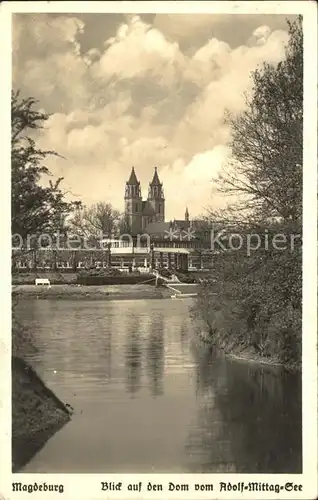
x=180 y=223
x=155 y=180
x=159 y=228
x=133 y=181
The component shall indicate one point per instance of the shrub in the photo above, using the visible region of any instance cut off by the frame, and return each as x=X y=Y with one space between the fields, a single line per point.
x=255 y=302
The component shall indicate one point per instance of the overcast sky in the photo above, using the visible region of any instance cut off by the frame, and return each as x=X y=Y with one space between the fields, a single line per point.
x=148 y=90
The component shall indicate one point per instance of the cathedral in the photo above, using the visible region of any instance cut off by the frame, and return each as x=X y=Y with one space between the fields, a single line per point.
x=142 y=215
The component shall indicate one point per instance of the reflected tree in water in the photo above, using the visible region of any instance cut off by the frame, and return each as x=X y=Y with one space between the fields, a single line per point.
x=107 y=354
x=207 y=448
x=155 y=354
x=184 y=333
x=133 y=355
x=248 y=419
x=261 y=410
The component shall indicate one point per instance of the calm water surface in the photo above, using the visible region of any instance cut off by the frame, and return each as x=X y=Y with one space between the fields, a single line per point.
x=146 y=399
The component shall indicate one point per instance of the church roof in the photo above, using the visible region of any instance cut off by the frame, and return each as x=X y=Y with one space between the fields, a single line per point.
x=147 y=209
x=155 y=180
x=133 y=181
x=180 y=223
x=158 y=228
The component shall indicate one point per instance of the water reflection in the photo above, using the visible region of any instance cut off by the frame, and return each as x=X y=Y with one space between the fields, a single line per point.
x=147 y=399
x=144 y=353
x=208 y=448
x=249 y=418
x=107 y=355
x=184 y=333
x=133 y=355
x=155 y=354
x=261 y=410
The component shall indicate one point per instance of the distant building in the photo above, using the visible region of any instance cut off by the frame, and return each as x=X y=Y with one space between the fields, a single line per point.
x=139 y=212
x=154 y=242
x=150 y=241
x=148 y=215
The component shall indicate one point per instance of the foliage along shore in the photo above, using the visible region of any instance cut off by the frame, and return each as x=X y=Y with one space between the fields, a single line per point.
x=248 y=354
x=240 y=349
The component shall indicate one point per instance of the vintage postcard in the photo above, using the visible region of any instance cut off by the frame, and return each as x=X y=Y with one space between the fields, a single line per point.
x=159 y=264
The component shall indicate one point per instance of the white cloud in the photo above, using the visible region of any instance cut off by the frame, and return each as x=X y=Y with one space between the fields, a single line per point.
x=261 y=34
x=136 y=49
x=215 y=50
x=195 y=181
x=206 y=166
x=203 y=122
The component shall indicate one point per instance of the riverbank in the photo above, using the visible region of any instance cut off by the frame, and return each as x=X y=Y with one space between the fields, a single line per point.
x=92 y=292
x=250 y=356
x=246 y=354
x=37 y=414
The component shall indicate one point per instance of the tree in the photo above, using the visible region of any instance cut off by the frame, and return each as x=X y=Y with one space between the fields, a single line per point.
x=124 y=226
x=35 y=208
x=266 y=170
x=96 y=221
x=254 y=300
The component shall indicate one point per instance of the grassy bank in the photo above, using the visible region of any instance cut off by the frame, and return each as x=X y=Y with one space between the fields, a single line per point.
x=100 y=277
x=89 y=277
x=82 y=292
x=36 y=412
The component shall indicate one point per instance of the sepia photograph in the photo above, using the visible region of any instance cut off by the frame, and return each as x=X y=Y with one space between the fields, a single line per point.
x=157 y=176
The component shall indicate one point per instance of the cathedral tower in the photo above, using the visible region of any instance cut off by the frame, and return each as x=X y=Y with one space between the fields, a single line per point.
x=156 y=197
x=133 y=203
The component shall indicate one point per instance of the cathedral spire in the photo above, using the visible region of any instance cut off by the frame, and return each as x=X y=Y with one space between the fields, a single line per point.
x=132 y=181
x=156 y=197
x=132 y=186
x=186 y=215
x=155 y=180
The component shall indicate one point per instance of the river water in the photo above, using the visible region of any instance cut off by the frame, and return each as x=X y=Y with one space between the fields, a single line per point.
x=148 y=399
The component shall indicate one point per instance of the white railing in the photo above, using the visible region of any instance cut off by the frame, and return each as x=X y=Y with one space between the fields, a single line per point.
x=129 y=250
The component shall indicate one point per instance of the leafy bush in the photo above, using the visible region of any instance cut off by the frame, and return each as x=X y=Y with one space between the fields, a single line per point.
x=184 y=277
x=99 y=272
x=255 y=302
